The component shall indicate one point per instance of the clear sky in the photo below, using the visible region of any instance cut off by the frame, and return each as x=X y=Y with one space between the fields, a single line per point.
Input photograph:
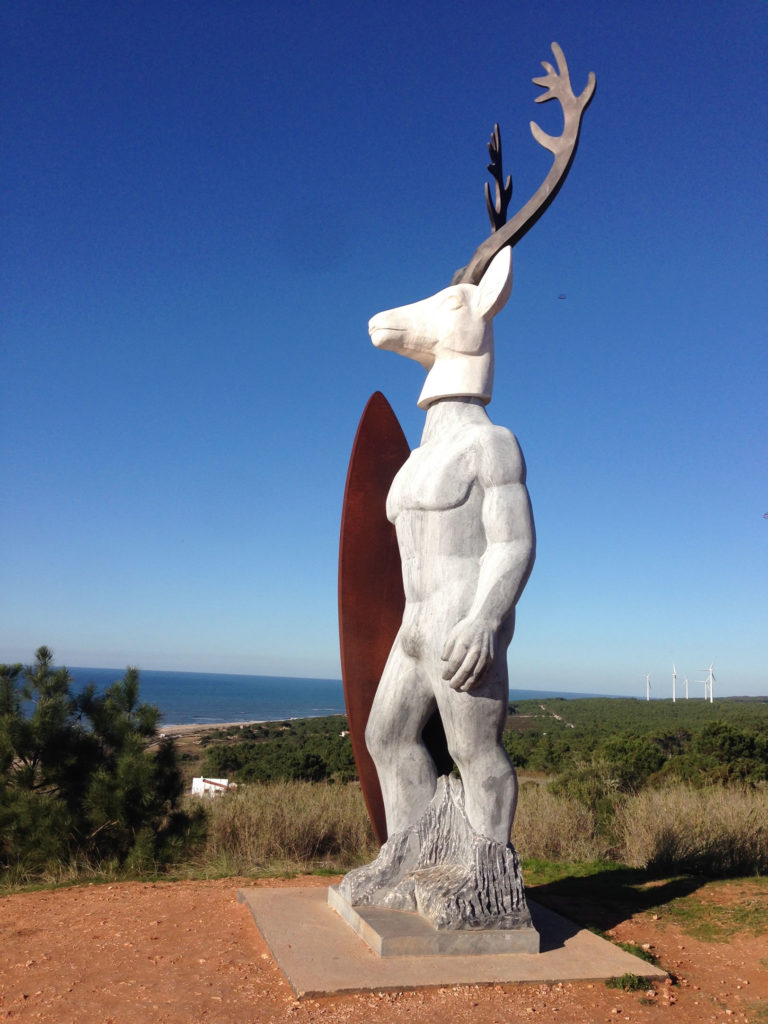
x=203 y=204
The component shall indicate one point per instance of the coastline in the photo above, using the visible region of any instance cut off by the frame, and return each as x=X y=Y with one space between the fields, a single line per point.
x=195 y=728
x=192 y=728
x=212 y=700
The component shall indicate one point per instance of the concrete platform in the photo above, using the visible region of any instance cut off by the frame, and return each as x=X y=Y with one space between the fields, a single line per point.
x=395 y=933
x=320 y=954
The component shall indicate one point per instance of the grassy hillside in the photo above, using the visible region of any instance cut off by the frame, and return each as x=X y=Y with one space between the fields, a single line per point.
x=604 y=716
x=634 y=741
x=631 y=742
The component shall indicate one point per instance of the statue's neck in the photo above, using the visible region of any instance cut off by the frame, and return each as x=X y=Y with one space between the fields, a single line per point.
x=448 y=414
x=461 y=375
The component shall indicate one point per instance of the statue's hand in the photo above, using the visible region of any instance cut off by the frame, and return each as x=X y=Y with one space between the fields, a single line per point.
x=467 y=653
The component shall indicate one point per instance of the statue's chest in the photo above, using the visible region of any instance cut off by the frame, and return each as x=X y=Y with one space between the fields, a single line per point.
x=434 y=477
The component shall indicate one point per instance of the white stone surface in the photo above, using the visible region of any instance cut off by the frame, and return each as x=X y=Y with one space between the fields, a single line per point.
x=392 y=933
x=320 y=954
x=466 y=537
x=443 y=870
x=450 y=334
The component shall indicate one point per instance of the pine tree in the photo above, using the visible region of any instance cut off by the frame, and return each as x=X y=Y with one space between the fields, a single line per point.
x=83 y=777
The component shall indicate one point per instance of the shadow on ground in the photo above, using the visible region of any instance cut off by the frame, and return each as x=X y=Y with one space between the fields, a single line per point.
x=601 y=901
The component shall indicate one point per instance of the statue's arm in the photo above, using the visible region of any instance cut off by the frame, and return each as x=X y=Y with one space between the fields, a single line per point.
x=507 y=522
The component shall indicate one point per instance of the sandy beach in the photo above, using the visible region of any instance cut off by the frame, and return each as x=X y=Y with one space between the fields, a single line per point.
x=194 y=728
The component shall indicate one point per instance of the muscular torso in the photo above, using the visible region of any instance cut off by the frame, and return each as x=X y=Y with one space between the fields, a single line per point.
x=436 y=504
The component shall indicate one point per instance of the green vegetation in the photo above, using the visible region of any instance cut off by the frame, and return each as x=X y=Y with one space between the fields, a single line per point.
x=669 y=787
x=287 y=826
x=78 y=783
x=627 y=983
x=595 y=749
x=607 y=716
x=307 y=750
x=709 y=920
x=620 y=790
x=639 y=951
x=618 y=745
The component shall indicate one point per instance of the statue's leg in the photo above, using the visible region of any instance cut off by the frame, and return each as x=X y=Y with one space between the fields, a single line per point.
x=474 y=723
x=403 y=704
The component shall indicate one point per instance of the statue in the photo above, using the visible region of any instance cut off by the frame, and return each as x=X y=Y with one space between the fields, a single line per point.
x=465 y=532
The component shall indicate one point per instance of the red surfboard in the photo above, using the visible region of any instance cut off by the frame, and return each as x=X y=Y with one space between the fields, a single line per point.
x=371 y=598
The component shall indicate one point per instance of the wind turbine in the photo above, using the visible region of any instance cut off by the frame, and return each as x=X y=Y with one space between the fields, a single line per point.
x=711 y=680
x=708 y=694
x=686 y=687
x=647 y=685
x=674 y=683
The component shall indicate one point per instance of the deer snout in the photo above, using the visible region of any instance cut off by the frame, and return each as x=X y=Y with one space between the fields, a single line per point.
x=395 y=332
x=377 y=326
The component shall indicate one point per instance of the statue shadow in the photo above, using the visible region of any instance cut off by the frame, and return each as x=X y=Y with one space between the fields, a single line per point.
x=600 y=901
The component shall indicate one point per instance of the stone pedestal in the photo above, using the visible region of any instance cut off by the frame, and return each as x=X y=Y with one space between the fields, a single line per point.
x=397 y=933
x=442 y=870
x=320 y=954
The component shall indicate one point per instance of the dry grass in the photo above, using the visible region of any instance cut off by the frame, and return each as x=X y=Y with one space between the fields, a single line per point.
x=713 y=831
x=550 y=827
x=303 y=825
x=298 y=826
x=288 y=826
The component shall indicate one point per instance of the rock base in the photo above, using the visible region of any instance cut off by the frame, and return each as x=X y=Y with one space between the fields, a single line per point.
x=443 y=870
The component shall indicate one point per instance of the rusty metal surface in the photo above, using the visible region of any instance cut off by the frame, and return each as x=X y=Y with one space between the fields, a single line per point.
x=557 y=85
x=371 y=598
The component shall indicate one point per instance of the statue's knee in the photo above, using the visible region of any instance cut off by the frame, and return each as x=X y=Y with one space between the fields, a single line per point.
x=471 y=756
x=461 y=752
x=379 y=738
x=390 y=737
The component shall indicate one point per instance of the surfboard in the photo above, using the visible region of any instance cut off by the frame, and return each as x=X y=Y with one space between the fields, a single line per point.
x=371 y=597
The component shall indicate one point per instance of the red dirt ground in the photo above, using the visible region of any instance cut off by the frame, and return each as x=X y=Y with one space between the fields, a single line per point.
x=188 y=953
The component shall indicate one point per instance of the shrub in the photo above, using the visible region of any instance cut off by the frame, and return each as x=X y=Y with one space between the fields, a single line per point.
x=593 y=787
x=307 y=750
x=294 y=824
x=627 y=983
x=78 y=779
x=631 y=760
x=714 y=831
x=551 y=827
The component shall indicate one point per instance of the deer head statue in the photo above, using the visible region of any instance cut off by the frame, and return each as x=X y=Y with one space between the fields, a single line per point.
x=451 y=333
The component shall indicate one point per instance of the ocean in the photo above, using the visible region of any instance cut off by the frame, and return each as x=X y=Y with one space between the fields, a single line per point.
x=200 y=698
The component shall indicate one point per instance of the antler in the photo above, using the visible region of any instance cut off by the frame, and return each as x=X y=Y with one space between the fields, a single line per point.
x=558 y=86
x=498 y=211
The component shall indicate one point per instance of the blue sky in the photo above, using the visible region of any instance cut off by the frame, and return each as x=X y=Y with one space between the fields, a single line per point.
x=205 y=202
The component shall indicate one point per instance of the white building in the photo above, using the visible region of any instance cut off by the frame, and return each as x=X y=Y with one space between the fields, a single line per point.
x=210 y=787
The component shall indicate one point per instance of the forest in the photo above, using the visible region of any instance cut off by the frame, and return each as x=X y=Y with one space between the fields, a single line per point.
x=307 y=749
x=626 y=743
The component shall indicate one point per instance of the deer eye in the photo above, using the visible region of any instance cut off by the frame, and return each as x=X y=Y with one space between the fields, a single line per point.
x=454 y=301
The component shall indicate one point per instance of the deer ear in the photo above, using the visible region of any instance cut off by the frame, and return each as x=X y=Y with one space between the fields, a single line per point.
x=495 y=286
